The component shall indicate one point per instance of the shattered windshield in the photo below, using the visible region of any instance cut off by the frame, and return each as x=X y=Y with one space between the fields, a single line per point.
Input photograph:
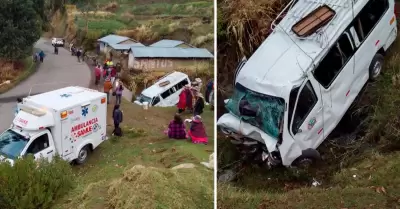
x=260 y=110
x=142 y=98
x=12 y=144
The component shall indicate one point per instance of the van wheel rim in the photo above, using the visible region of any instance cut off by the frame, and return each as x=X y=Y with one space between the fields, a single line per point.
x=82 y=154
x=377 y=68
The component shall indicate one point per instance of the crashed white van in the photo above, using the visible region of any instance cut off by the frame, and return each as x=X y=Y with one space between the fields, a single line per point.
x=165 y=92
x=293 y=91
x=69 y=122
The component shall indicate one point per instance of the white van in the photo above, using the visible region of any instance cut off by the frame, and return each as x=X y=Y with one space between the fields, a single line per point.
x=165 y=92
x=294 y=90
x=69 y=122
x=57 y=42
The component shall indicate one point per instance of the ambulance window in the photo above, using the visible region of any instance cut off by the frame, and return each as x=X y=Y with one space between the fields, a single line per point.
x=334 y=61
x=156 y=100
x=306 y=102
x=39 y=144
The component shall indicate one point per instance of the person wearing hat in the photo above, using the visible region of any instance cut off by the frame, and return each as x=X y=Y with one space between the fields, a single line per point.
x=197 y=131
x=199 y=105
x=189 y=98
x=107 y=88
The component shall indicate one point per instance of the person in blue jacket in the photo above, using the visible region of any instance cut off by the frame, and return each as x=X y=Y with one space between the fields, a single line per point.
x=209 y=88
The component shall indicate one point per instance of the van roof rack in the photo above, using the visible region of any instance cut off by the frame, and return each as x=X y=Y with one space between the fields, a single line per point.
x=313 y=21
x=164 y=83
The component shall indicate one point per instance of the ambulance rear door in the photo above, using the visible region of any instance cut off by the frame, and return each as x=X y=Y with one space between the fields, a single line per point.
x=69 y=117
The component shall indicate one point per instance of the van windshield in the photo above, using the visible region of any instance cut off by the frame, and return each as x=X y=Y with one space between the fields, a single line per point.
x=142 y=98
x=260 y=110
x=12 y=144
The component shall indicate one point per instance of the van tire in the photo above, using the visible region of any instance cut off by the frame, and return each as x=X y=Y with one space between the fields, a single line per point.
x=83 y=155
x=375 y=67
x=307 y=159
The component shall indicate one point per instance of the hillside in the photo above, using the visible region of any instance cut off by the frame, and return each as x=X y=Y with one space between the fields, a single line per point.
x=146 y=21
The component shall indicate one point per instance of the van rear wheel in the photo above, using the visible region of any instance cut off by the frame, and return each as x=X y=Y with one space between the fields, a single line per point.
x=82 y=155
x=375 y=67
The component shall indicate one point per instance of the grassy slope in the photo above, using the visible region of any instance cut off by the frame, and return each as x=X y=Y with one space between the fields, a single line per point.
x=185 y=14
x=145 y=145
x=376 y=181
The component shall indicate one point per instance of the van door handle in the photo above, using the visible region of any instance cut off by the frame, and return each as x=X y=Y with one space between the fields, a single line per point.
x=50 y=151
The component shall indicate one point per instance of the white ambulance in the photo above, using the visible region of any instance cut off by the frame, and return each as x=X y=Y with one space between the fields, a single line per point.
x=69 y=122
x=294 y=90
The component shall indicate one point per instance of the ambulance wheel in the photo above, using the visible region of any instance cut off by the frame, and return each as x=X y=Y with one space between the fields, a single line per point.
x=82 y=155
x=375 y=67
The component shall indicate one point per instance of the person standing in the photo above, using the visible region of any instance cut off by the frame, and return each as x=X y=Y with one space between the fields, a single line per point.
x=107 y=88
x=78 y=55
x=19 y=101
x=55 y=49
x=209 y=88
x=118 y=118
x=97 y=73
x=199 y=105
x=182 y=102
x=189 y=98
x=113 y=73
x=118 y=93
x=41 y=55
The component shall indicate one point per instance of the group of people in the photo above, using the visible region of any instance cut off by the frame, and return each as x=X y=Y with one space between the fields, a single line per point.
x=38 y=56
x=108 y=72
x=189 y=95
x=78 y=52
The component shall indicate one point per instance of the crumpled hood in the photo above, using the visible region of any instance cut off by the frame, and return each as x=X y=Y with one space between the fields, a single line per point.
x=242 y=128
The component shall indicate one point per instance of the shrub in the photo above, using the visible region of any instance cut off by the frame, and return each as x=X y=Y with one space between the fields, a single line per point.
x=30 y=184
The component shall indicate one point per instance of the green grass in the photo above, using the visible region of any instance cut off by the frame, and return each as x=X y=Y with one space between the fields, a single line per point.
x=145 y=144
x=101 y=24
x=373 y=159
x=201 y=8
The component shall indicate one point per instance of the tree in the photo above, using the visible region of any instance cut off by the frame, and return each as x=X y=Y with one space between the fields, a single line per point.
x=20 y=28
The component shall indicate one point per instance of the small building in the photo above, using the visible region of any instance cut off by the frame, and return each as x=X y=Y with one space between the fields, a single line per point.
x=124 y=47
x=168 y=59
x=166 y=43
x=105 y=42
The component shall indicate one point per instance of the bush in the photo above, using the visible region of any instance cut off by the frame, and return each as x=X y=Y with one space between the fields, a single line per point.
x=29 y=186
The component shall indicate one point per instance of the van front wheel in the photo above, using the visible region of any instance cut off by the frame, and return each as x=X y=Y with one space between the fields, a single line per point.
x=82 y=155
x=376 y=67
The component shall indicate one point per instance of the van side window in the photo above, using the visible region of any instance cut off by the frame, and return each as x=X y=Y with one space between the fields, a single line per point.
x=156 y=100
x=39 y=144
x=369 y=17
x=307 y=100
x=167 y=93
x=334 y=61
x=181 y=84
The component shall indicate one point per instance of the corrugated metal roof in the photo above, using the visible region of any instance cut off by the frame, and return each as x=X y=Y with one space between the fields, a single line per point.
x=167 y=43
x=171 y=52
x=125 y=46
x=113 y=39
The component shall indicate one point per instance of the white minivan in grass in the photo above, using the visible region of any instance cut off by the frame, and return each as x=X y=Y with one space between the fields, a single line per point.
x=69 y=122
x=293 y=91
x=165 y=92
